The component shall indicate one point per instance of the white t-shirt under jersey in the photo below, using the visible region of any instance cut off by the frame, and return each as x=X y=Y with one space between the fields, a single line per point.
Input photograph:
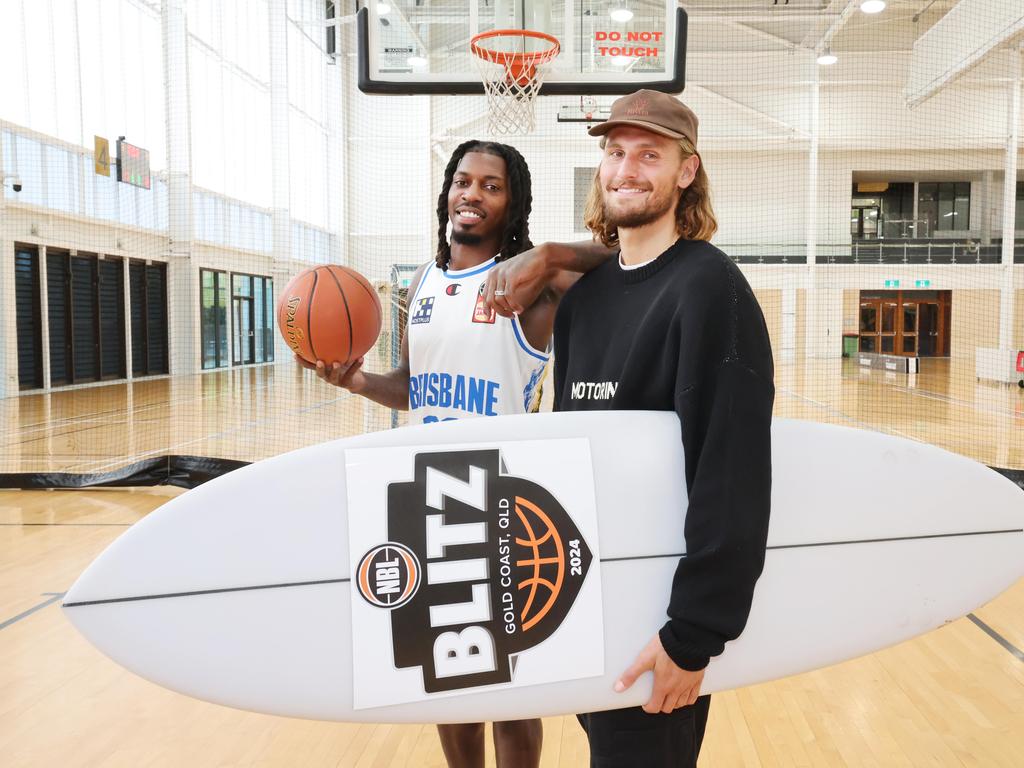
x=464 y=361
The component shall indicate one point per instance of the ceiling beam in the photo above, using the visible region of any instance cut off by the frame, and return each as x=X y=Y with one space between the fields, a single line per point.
x=755 y=113
x=760 y=33
x=837 y=24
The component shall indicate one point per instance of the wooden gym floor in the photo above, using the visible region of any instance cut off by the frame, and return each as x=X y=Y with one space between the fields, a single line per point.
x=954 y=697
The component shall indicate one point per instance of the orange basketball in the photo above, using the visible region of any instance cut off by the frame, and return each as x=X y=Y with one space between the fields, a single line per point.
x=329 y=313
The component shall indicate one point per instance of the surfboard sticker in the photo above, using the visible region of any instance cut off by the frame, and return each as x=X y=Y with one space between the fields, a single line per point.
x=473 y=566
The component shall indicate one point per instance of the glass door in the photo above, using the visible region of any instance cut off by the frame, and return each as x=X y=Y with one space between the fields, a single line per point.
x=929 y=343
x=244 y=352
x=887 y=337
x=910 y=327
x=869 y=326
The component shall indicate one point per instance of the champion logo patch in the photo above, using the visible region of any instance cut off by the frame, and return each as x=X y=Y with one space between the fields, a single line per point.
x=453 y=289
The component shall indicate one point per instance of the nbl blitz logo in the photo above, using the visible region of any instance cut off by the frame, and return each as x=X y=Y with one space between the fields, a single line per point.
x=388 y=575
x=479 y=567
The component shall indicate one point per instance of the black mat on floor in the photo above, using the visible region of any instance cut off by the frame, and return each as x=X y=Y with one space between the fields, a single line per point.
x=1016 y=475
x=179 y=471
x=186 y=472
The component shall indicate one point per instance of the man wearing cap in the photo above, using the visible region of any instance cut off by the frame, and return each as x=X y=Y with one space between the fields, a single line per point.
x=672 y=322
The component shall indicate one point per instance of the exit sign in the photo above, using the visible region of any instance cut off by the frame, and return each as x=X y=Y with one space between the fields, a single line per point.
x=892 y=283
x=922 y=283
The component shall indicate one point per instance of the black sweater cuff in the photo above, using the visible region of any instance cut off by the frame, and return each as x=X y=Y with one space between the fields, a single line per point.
x=683 y=654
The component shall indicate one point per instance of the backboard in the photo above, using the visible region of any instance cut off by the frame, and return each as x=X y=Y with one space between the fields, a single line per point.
x=608 y=47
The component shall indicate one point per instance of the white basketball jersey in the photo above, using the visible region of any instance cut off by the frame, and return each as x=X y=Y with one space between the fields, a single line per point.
x=463 y=360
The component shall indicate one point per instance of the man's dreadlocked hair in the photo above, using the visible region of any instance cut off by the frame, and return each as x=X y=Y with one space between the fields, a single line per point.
x=516 y=237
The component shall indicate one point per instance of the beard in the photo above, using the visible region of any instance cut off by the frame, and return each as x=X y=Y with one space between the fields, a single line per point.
x=466 y=238
x=656 y=207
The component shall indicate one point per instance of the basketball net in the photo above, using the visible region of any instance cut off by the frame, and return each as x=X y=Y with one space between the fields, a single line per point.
x=512 y=77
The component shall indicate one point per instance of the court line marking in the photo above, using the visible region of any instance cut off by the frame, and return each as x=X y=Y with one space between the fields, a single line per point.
x=835 y=412
x=173 y=449
x=71 y=420
x=1014 y=650
x=54 y=597
x=96 y=467
x=950 y=400
x=148 y=405
x=103 y=417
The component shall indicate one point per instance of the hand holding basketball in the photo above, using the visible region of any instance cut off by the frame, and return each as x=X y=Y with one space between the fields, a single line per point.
x=674 y=687
x=348 y=377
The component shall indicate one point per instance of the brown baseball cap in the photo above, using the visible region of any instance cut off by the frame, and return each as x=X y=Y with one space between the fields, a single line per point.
x=652 y=111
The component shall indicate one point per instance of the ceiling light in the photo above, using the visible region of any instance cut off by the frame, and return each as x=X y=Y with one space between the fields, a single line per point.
x=416 y=61
x=827 y=58
x=383 y=9
x=621 y=14
x=873 y=6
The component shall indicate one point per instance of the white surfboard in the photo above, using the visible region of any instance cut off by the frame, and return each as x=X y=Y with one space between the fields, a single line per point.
x=507 y=567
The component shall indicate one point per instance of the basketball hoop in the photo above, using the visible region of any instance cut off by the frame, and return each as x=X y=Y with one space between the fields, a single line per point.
x=512 y=65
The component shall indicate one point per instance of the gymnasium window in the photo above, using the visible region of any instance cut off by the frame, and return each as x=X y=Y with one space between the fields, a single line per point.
x=883 y=209
x=214 y=313
x=29 y=321
x=148 y=286
x=945 y=205
x=252 y=323
x=582 y=179
x=85 y=306
x=1019 y=223
x=330 y=42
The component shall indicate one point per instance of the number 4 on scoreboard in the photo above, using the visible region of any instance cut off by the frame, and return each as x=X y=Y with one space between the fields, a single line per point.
x=101 y=155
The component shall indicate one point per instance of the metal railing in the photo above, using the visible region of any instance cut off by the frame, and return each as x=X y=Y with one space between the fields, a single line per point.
x=873 y=252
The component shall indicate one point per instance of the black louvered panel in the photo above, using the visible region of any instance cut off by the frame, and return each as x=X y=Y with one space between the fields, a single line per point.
x=28 y=324
x=156 y=317
x=58 y=310
x=84 y=319
x=111 y=295
x=137 y=283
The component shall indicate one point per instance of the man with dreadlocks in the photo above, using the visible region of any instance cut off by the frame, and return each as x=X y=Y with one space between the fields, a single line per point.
x=461 y=360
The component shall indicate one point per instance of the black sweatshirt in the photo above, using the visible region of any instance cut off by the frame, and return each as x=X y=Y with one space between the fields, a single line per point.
x=684 y=333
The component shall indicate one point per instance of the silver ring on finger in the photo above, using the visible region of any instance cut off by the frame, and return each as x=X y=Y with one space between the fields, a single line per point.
x=499 y=293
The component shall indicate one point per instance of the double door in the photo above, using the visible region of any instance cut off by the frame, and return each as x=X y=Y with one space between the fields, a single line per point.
x=911 y=323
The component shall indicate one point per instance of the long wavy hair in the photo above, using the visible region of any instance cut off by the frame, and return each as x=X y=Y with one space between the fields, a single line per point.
x=695 y=218
x=516 y=237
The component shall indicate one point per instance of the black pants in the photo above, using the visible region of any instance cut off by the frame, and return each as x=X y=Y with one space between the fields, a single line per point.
x=631 y=738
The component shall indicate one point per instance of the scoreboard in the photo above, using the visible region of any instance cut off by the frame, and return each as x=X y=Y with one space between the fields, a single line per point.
x=132 y=164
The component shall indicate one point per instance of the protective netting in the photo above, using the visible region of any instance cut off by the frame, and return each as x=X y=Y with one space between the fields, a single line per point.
x=873 y=204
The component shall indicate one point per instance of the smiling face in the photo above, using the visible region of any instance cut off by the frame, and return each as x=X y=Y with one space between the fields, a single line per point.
x=641 y=176
x=478 y=199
